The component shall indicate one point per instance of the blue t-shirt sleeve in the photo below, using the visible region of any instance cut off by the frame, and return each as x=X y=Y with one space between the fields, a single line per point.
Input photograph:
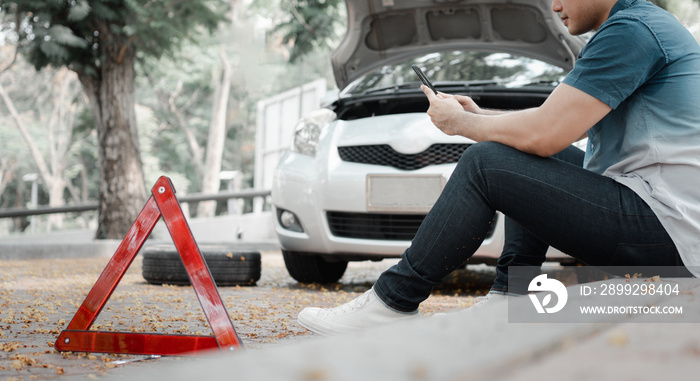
x=618 y=59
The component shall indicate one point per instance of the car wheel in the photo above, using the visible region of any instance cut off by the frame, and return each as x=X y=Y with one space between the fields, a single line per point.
x=163 y=265
x=310 y=268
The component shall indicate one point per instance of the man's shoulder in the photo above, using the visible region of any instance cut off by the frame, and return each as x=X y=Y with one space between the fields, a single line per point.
x=645 y=24
x=644 y=14
x=625 y=30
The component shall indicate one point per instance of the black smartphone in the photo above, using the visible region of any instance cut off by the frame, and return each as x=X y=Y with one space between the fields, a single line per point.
x=423 y=78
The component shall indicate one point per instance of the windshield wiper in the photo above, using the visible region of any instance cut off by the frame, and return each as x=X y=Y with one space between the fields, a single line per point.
x=392 y=88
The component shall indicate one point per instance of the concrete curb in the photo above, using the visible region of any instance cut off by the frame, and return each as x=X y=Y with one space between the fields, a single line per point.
x=100 y=248
x=469 y=345
x=241 y=232
x=25 y=250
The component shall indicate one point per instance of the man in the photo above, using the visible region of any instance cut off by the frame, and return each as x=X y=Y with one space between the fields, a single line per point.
x=632 y=199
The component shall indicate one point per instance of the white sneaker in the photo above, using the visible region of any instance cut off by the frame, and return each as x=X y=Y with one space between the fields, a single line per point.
x=493 y=297
x=365 y=311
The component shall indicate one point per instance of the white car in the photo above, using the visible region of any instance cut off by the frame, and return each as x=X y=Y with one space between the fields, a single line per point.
x=363 y=172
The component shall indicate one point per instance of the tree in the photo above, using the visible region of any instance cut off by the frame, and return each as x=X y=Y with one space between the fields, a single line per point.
x=193 y=97
x=7 y=173
x=206 y=102
x=215 y=142
x=309 y=24
x=102 y=41
x=63 y=105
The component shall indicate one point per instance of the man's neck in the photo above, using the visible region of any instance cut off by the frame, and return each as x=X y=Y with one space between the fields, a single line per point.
x=605 y=7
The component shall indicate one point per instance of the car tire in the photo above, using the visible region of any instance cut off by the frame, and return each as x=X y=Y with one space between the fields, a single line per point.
x=310 y=268
x=163 y=265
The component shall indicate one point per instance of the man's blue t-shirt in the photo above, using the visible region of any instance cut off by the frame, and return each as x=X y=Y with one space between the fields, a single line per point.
x=646 y=66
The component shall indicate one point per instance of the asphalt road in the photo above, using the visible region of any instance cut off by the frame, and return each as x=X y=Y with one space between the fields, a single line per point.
x=38 y=297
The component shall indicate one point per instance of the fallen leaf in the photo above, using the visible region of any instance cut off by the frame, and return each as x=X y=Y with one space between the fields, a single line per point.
x=618 y=338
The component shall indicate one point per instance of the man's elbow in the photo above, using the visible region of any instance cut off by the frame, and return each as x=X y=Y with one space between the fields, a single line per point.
x=549 y=151
x=543 y=148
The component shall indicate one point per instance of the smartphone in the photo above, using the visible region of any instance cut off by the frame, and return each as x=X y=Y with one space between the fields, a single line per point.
x=423 y=78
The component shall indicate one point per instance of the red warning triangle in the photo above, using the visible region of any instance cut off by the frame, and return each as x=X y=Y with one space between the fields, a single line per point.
x=78 y=338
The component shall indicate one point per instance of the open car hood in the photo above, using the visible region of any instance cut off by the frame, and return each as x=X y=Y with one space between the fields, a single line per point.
x=382 y=32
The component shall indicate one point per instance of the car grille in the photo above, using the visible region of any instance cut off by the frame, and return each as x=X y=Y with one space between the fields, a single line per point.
x=383 y=154
x=386 y=227
x=390 y=227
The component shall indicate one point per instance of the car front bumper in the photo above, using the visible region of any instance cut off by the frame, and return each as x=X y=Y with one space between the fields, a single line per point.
x=321 y=200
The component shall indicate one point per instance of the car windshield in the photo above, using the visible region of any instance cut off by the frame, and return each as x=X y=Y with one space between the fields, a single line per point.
x=476 y=68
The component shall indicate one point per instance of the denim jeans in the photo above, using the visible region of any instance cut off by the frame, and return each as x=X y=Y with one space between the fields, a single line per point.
x=548 y=202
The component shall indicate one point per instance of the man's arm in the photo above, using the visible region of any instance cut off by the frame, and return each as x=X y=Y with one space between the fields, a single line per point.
x=564 y=118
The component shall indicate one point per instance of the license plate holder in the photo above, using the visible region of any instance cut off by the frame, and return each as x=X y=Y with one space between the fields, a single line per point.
x=401 y=193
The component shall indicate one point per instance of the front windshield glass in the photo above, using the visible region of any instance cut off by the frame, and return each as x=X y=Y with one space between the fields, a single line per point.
x=502 y=69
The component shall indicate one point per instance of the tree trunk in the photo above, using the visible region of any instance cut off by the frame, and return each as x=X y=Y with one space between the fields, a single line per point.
x=215 y=142
x=111 y=94
x=7 y=172
x=197 y=152
x=60 y=136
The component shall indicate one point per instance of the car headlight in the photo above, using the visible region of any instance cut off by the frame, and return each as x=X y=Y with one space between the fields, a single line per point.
x=308 y=132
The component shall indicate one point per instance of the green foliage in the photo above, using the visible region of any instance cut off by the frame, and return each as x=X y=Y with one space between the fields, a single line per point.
x=311 y=24
x=73 y=32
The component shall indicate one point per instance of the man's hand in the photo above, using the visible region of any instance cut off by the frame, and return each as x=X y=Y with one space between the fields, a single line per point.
x=448 y=112
x=467 y=103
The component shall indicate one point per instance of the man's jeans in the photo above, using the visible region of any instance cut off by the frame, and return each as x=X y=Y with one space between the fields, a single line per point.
x=547 y=201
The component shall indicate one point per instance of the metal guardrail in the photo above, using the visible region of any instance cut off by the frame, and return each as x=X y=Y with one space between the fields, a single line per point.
x=91 y=206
